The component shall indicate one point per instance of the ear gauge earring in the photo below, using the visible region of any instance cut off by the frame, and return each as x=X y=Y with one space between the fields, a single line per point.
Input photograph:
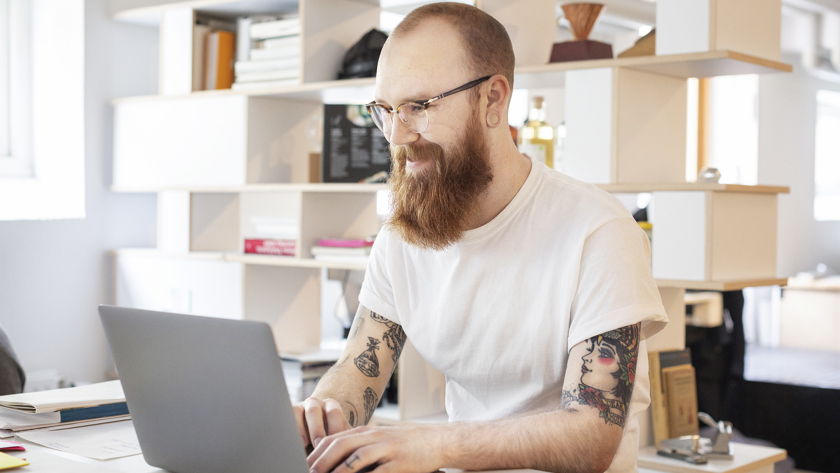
x=493 y=120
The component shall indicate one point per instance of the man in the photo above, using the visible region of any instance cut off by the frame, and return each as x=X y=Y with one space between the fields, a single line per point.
x=529 y=290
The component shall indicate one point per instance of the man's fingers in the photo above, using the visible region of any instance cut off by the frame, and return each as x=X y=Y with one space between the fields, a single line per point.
x=339 y=448
x=336 y=422
x=301 y=423
x=314 y=415
x=363 y=459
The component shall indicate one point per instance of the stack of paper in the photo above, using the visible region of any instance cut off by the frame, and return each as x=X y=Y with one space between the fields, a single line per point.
x=272 y=47
x=84 y=405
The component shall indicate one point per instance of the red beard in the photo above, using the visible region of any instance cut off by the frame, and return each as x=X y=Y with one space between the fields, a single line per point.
x=435 y=205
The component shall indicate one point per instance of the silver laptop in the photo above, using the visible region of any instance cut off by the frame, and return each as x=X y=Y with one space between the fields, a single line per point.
x=206 y=394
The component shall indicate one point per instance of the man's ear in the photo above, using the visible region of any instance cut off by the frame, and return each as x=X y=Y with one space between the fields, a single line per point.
x=497 y=98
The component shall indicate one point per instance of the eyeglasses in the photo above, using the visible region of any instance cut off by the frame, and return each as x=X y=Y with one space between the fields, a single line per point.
x=413 y=115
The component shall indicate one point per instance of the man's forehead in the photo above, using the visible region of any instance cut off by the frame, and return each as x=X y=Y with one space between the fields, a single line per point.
x=416 y=65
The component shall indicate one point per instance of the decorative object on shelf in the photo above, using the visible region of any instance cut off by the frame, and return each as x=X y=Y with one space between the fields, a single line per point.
x=536 y=138
x=354 y=149
x=582 y=17
x=709 y=174
x=361 y=59
x=645 y=46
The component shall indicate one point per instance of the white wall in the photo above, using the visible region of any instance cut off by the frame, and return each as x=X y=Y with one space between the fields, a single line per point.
x=53 y=274
x=786 y=135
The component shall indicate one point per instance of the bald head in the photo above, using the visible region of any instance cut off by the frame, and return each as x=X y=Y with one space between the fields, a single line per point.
x=485 y=44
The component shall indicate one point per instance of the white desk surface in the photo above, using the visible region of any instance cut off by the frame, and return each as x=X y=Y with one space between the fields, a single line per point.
x=747 y=458
x=42 y=459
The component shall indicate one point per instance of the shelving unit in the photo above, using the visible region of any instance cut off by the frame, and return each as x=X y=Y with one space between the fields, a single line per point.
x=639 y=104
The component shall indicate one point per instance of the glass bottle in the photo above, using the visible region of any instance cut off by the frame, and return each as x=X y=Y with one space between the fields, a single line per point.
x=536 y=138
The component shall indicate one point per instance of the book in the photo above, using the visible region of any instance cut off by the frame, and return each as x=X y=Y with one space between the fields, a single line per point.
x=681 y=392
x=266 y=65
x=275 y=28
x=219 y=63
x=338 y=251
x=274 y=53
x=270 y=246
x=261 y=76
x=658 y=396
x=243 y=37
x=302 y=371
x=13 y=420
x=353 y=148
x=54 y=400
x=345 y=242
x=277 y=43
x=266 y=84
x=200 y=33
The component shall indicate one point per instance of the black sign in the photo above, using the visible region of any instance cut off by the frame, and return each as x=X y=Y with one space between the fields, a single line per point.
x=354 y=149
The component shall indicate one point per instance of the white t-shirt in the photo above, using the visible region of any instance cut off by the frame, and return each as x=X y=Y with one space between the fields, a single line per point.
x=498 y=311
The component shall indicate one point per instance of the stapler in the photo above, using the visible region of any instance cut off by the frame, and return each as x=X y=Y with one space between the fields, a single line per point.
x=696 y=449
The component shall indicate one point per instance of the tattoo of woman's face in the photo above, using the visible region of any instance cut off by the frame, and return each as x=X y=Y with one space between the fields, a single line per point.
x=608 y=374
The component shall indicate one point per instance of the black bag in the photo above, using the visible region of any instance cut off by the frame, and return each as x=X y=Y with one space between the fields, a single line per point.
x=361 y=59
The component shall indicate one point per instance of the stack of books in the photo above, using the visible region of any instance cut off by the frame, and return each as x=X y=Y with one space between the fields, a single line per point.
x=71 y=407
x=303 y=371
x=345 y=250
x=268 y=52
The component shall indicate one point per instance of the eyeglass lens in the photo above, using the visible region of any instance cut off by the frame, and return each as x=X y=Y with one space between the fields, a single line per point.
x=412 y=115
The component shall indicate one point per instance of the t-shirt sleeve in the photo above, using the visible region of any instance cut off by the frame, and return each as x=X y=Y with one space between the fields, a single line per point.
x=377 y=293
x=615 y=286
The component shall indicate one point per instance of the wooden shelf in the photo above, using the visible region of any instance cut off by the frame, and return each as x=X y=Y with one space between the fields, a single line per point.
x=307 y=188
x=263 y=260
x=691 y=186
x=720 y=285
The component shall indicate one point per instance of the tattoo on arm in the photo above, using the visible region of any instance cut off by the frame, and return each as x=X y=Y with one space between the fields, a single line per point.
x=394 y=337
x=371 y=400
x=352 y=415
x=608 y=375
x=367 y=362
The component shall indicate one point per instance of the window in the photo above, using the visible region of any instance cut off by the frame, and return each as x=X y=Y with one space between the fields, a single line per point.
x=15 y=156
x=827 y=157
x=43 y=176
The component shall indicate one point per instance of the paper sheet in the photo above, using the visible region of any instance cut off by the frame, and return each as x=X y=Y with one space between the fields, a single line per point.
x=8 y=461
x=101 y=442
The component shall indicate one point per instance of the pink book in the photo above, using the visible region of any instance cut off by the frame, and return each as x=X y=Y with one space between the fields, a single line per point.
x=346 y=242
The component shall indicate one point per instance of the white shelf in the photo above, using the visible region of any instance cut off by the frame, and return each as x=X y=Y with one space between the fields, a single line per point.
x=691 y=186
x=748 y=458
x=262 y=260
x=123 y=10
x=708 y=64
x=316 y=188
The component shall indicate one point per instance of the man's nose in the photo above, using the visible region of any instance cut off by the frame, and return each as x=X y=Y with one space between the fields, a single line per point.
x=400 y=134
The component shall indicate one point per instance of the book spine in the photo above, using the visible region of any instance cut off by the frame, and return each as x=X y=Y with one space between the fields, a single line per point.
x=275 y=29
x=268 y=75
x=86 y=413
x=681 y=390
x=227 y=50
x=270 y=247
x=278 y=43
x=345 y=243
x=658 y=403
x=243 y=37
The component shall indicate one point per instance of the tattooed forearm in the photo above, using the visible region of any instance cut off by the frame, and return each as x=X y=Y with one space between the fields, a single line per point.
x=371 y=400
x=367 y=362
x=394 y=337
x=608 y=375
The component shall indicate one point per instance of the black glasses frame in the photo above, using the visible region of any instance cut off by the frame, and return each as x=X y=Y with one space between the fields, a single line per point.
x=423 y=103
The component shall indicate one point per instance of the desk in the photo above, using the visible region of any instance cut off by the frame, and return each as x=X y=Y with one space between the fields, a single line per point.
x=43 y=460
x=748 y=459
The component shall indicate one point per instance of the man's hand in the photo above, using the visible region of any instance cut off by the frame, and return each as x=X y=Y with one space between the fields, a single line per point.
x=408 y=448
x=316 y=419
